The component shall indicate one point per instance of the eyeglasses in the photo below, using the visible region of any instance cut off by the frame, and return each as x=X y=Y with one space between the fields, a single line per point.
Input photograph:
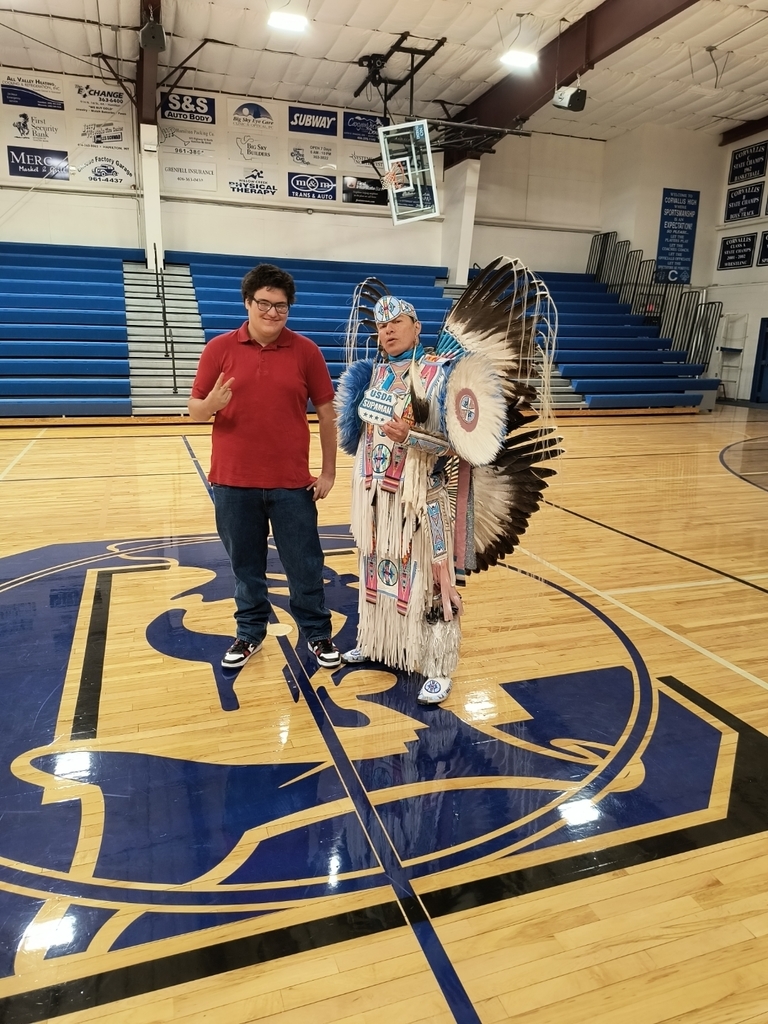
x=264 y=306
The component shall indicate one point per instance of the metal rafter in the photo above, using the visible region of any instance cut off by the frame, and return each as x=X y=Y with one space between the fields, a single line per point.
x=375 y=62
x=601 y=32
x=146 y=70
x=743 y=131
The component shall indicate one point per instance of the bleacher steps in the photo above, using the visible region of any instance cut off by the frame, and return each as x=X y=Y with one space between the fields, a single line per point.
x=152 y=390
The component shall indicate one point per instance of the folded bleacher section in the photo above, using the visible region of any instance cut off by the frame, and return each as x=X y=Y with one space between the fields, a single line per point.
x=615 y=359
x=63 y=341
x=323 y=295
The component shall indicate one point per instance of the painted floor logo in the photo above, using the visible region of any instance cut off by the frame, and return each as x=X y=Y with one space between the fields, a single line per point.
x=110 y=820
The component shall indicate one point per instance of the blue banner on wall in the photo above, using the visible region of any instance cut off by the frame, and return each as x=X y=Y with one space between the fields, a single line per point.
x=744 y=202
x=187 y=106
x=677 y=235
x=363 y=127
x=312 y=186
x=313 y=122
x=24 y=162
x=762 y=255
x=18 y=91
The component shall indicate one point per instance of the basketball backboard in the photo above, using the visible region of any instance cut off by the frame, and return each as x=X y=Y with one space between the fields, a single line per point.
x=409 y=175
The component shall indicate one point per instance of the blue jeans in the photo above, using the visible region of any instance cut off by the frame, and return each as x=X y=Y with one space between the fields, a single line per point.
x=243 y=517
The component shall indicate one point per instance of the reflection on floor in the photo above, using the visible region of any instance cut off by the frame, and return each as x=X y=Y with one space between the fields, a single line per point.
x=165 y=820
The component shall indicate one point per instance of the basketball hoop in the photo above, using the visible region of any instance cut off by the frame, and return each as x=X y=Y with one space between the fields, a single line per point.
x=396 y=177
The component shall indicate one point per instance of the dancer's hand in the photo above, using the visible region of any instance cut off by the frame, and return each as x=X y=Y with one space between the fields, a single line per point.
x=397 y=429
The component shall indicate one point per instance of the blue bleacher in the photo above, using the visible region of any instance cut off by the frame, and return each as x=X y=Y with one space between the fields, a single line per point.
x=613 y=358
x=323 y=295
x=63 y=336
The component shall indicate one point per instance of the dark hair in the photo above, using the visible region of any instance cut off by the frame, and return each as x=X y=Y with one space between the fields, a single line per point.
x=268 y=276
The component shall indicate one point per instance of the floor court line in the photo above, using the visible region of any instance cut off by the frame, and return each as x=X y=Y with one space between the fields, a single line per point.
x=644 y=618
x=657 y=547
x=412 y=908
x=21 y=455
x=652 y=588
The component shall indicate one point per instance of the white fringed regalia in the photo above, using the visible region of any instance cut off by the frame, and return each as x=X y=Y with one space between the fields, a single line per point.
x=403 y=526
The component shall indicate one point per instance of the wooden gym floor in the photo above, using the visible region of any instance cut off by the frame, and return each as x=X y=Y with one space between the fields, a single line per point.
x=580 y=834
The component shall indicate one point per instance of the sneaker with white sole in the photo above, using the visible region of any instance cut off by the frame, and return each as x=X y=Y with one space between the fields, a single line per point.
x=240 y=651
x=326 y=652
x=434 y=691
x=354 y=657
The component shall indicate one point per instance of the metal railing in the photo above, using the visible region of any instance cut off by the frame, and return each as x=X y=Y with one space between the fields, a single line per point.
x=676 y=309
x=170 y=346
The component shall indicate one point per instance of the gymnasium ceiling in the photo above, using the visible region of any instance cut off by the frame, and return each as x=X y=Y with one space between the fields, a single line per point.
x=705 y=69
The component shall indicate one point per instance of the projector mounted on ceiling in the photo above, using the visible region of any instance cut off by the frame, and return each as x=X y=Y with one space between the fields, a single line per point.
x=570 y=97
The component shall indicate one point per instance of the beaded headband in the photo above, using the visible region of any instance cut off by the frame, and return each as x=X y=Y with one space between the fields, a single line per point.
x=389 y=308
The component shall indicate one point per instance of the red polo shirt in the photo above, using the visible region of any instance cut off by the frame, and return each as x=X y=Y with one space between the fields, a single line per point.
x=261 y=438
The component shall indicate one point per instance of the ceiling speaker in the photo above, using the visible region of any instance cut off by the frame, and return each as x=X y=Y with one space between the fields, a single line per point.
x=570 y=97
x=152 y=36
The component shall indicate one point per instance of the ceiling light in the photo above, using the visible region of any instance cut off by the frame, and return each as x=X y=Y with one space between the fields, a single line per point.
x=519 y=59
x=287 y=22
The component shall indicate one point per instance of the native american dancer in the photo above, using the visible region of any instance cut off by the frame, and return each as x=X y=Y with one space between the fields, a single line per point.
x=444 y=479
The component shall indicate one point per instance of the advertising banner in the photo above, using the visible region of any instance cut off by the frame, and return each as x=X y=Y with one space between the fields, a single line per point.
x=95 y=98
x=59 y=128
x=28 y=89
x=313 y=122
x=362 y=159
x=52 y=164
x=188 y=175
x=320 y=187
x=187 y=106
x=102 y=169
x=32 y=126
x=187 y=140
x=363 y=191
x=111 y=134
x=248 y=146
x=254 y=181
x=362 y=127
x=252 y=115
x=312 y=154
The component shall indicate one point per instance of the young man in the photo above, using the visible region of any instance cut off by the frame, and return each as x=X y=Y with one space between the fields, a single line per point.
x=255 y=382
